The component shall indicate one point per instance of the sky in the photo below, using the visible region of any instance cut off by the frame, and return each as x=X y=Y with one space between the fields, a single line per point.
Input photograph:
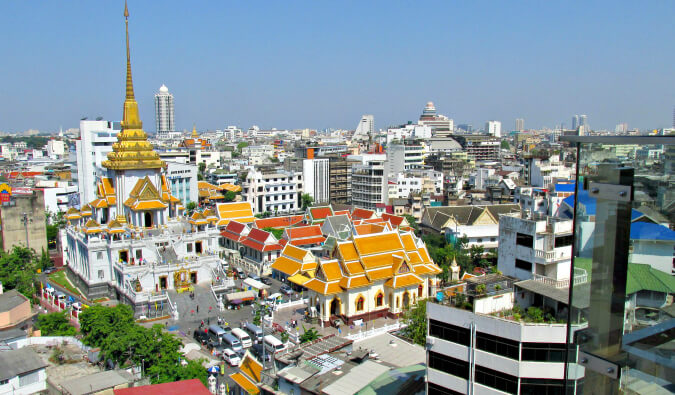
x=321 y=64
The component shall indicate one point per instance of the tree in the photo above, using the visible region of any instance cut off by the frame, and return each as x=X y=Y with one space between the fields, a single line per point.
x=55 y=324
x=97 y=323
x=200 y=177
x=190 y=207
x=18 y=270
x=278 y=233
x=230 y=196
x=202 y=167
x=307 y=201
x=309 y=335
x=476 y=253
x=416 y=319
x=505 y=144
x=413 y=223
x=241 y=145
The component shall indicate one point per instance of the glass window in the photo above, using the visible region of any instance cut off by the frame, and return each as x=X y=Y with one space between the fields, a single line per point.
x=564 y=241
x=435 y=389
x=524 y=265
x=542 y=386
x=451 y=333
x=495 y=379
x=359 y=303
x=444 y=363
x=544 y=352
x=497 y=345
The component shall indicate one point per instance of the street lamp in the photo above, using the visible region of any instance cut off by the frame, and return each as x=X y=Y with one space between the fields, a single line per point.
x=25 y=221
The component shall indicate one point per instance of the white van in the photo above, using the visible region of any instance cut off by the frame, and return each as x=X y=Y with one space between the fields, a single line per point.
x=273 y=345
x=243 y=337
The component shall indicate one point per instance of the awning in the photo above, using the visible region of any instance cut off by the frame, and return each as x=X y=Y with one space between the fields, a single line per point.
x=255 y=284
x=242 y=296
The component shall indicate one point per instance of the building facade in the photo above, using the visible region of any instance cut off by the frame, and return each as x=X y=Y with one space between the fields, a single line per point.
x=95 y=143
x=164 y=112
x=316 y=173
x=274 y=191
x=23 y=220
x=368 y=180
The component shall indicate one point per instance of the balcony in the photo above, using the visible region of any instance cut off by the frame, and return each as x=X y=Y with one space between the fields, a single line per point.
x=580 y=277
x=548 y=257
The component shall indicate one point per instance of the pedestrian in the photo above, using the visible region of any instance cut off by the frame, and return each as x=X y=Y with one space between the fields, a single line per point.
x=208 y=320
x=197 y=309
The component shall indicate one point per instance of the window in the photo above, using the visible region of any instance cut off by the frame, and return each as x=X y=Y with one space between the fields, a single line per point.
x=493 y=239
x=420 y=290
x=451 y=333
x=541 y=386
x=449 y=365
x=564 y=241
x=498 y=380
x=479 y=240
x=99 y=255
x=139 y=254
x=29 y=378
x=524 y=240
x=101 y=274
x=359 y=303
x=435 y=389
x=497 y=345
x=524 y=265
x=189 y=247
x=379 y=299
x=544 y=352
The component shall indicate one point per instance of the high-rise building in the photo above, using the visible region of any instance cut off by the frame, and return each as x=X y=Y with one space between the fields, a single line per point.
x=368 y=180
x=520 y=124
x=316 y=174
x=493 y=128
x=440 y=124
x=365 y=128
x=583 y=121
x=96 y=141
x=575 y=122
x=164 y=111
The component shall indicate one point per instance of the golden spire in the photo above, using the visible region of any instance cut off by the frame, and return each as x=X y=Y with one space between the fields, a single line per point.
x=194 y=131
x=132 y=149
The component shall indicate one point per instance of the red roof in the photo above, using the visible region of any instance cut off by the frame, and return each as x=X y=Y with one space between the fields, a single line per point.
x=278 y=222
x=361 y=213
x=343 y=212
x=258 y=246
x=308 y=241
x=305 y=231
x=191 y=387
x=395 y=220
x=258 y=235
x=235 y=227
x=320 y=212
x=15 y=174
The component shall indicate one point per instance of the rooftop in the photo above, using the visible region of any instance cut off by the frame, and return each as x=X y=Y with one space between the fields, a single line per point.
x=17 y=362
x=96 y=382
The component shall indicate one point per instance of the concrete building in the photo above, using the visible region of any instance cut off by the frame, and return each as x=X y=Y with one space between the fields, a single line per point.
x=409 y=131
x=365 y=129
x=520 y=124
x=15 y=311
x=58 y=195
x=403 y=157
x=258 y=154
x=493 y=128
x=96 y=141
x=440 y=125
x=22 y=372
x=485 y=350
x=368 y=180
x=23 y=220
x=274 y=191
x=535 y=248
x=340 y=185
x=56 y=149
x=164 y=112
x=183 y=181
x=316 y=174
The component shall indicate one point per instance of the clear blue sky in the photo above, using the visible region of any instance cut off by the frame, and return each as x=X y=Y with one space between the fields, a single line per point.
x=322 y=64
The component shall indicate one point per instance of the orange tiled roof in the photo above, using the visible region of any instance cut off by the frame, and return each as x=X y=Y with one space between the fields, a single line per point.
x=279 y=222
x=251 y=367
x=354 y=267
x=320 y=213
x=374 y=261
x=323 y=288
x=331 y=270
x=286 y=265
x=380 y=273
x=99 y=203
x=366 y=229
x=308 y=241
x=354 y=282
x=245 y=383
x=347 y=251
x=377 y=243
x=403 y=280
x=303 y=231
x=294 y=252
x=361 y=213
x=149 y=205
x=408 y=242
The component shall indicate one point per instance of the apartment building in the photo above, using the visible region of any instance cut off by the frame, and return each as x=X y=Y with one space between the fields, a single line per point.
x=402 y=157
x=273 y=190
x=96 y=141
x=368 y=180
x=316 y=175
x=340 y=186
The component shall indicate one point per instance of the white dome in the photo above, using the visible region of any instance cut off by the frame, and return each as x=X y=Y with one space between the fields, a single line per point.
x=163 y=89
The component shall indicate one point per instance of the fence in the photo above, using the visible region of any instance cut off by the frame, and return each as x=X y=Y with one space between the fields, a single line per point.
x=374 y=332
x=292 y=303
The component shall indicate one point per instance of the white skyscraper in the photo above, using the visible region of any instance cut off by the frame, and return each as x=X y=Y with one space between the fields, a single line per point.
x=583 y=121
x=96 y=141
x=575 y=122
x=493 y=128
x=365 y=128
x=164 y=111
x=520 y=124
x=315 y=173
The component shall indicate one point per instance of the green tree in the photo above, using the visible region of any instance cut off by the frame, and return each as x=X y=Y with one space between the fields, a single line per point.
x=55 y=324
x=416 y=319
x=18 y=270
x=230 y=196
x=99 y=322
x=190 y=207
x=308 y=335
x=242 y=145
x=505 y=144
x=413 y=223
x=202 y=167
x=278 y=233
x=307 y=201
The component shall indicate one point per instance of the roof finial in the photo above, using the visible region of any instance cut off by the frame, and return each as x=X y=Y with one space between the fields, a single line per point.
x=194 y=131
x=130 y=84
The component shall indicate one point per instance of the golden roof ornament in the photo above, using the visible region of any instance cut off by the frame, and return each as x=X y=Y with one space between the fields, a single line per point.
x=132 y=149
x=194 y=132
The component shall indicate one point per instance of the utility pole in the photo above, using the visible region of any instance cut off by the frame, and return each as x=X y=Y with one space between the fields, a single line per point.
x=25 y=221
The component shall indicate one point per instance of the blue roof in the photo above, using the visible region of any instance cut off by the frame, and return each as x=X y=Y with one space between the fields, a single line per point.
x=649 y=231
x=564 y=187
x=589 y=204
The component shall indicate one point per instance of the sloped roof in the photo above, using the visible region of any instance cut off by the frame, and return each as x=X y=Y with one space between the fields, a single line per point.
x=320 y=213
x=362 y=213
x=649 y=231
x=278 y=222
x=239 y=211
x=642 y=277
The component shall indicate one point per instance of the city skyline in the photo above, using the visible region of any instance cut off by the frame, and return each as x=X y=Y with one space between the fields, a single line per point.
x=291 y=68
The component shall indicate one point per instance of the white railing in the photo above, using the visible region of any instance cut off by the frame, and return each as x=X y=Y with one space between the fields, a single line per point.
x=50 y=341
x=550 y=255
x=363 y=335
x=290 y=304
x=580 y=277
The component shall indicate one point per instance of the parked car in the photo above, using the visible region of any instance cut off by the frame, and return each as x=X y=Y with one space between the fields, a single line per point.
x=49 y=270
x=286 y=289
x=231 y=357
x=266 y=280
x=201 y=337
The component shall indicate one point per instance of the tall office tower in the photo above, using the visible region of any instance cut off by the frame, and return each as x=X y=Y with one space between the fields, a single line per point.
x=493 y=128
x=575 y=122
x=365 y=128
x=164 y=111
x=316 y=176
x=583 y=121
x=95 y=142
x=520 y=124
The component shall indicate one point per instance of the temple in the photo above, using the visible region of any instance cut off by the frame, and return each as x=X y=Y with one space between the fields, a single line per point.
x=132 y=242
